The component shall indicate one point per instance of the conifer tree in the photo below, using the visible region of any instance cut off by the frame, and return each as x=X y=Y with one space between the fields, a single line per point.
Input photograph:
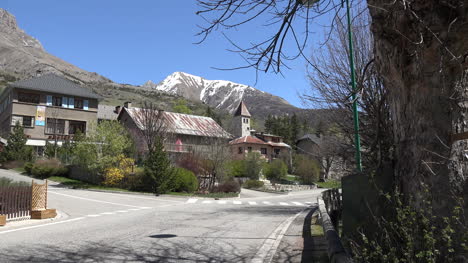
x=17 y=150
x=158 y=171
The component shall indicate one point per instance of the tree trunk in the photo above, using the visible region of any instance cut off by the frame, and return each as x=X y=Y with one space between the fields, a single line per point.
x=420 y=48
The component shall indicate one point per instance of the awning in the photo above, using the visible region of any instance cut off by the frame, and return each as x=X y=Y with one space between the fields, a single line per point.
x=32 y=142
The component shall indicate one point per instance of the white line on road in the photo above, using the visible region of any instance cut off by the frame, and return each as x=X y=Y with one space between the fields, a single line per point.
x=122 y=211
x=237 y=202
x=31 y=227
x=206 y=202
x=93 y=200
x=267 y=203
x=297 y=203
x=222 y=202
x=107 y=213
x=268 y=249
x=252 y=203
x=192 y=200
x=93 y=215
x=283 y=203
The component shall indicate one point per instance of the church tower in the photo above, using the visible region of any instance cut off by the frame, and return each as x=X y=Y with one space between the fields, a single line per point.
x=241 y=121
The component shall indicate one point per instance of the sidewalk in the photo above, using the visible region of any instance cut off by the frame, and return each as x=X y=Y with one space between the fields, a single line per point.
x=299 y=244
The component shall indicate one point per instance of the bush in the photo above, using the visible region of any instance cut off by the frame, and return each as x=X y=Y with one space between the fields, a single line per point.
x=276 y=170
x=28 y=167
x=307 y=169
x=113 y=176
x=184 y=181
x=46 y=168
x=253 y=184
x=9 y=182
x=13 y=164
x=229 y=186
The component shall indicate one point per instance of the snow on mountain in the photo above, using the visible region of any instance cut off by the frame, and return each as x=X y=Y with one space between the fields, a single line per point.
x=220 y=94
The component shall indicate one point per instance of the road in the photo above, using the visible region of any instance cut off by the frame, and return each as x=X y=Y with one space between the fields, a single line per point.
x=110 y=227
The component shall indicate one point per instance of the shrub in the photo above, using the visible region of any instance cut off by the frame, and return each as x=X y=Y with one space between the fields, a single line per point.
x=9 y=182
x=229 y=186
x=13 y=164
x=134 y=181
x=276 y=170
x=46 y=168
x=28 y=167
x=236 y=168
x=253 y=165
x=307 y=169
x=113 y=176
x=253 y=184
x=184 y=181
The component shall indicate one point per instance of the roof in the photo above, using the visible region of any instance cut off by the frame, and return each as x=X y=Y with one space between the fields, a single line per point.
x=55 y=84
x=248 y=139
x=279 y=144
x=187 y=124
x=106 y=112
x=242 y=110
x=312 y=137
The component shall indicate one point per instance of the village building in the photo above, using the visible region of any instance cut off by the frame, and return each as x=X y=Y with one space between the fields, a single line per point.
x=185 y=133
x=269 y=146
x=49 y=107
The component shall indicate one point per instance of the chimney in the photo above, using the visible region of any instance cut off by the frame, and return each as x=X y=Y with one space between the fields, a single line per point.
x=128 y=104
x=117 y=109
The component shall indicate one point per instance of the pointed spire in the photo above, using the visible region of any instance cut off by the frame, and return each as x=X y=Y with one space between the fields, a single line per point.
x=242 y=110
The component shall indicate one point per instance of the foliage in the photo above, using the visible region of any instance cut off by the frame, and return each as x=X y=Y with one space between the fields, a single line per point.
x=158 y=172
x=413 y=235
x=9 y=182
x=252 y=184
x=329 y=184
x=113 y=176
x=16 y=150
x=229 y=186
x=253 y=165
x=184 y=181
x=212 y=114
x=275 y=170
x=28 y=167
x=307 y=169
x=46 y=168
x=181 y=107
x=236 y=168
x=191 y=162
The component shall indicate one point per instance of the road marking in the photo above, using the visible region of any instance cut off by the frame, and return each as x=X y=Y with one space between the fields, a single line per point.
x=267 y=203
x=268 y=249
x=237 y=202
x=31 y=227
x=192 y=200
x=93 y=215
x=297 y=203
x=141 y=197
x=206 y=202
x=94 y=200
x=252 y=203
x=283 y=203
x=145 y=207
x=222 y=202
x=108 y=213
x=309 y=203
x=122 y=211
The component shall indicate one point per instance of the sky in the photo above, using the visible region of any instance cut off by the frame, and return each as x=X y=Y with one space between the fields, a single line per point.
x=136 y=41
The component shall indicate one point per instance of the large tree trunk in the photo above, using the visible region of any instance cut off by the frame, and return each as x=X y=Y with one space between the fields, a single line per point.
x=420 y=48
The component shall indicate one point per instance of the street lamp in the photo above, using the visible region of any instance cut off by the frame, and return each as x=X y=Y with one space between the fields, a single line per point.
x=357 y=139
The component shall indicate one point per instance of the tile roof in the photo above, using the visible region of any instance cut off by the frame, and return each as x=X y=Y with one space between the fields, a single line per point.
x=312 y=137
x=106 y=112
x=55 y=84
x=248 y=139
x=187 y=124
x=242 y=110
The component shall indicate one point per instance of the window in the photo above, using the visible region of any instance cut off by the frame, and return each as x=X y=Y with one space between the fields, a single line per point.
x=56 y=101
x=25 y=121
x=28 y=97
x=241 y=151
x=275 y=139
x=263 y=151
x=55 y=126
x=76 y=126
x=245 y=120
x=277 y=151
x=249 y=149
x=78 y=104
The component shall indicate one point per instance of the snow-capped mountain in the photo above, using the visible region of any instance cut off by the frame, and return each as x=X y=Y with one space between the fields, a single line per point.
x=221 y=94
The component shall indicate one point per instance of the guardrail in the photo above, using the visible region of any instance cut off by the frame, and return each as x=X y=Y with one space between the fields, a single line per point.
x=336 y=251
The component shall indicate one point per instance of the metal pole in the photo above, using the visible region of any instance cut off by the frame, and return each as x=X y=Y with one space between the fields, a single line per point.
x=357 y=139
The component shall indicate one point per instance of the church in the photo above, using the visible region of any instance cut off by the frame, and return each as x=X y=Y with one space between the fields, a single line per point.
x=248 y=140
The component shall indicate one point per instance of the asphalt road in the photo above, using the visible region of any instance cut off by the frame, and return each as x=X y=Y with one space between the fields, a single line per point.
x=107 y=227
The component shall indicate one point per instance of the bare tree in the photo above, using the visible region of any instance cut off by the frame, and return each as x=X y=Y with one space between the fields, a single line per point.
x=214 y=157
x=150 y=121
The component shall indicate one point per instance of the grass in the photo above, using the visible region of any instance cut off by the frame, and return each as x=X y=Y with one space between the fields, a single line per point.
x=316 y=230
x=82 y=185
x=329 y=184
x=19 y=169
x=292 y=178
x=209 y=195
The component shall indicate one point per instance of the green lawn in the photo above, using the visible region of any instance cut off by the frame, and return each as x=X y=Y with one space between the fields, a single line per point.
x=82 y=185
x=19 y=169
x=209 y=195
x=329 y=184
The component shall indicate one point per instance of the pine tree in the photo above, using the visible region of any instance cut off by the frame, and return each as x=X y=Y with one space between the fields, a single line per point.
x=210 y=113
x=158 y=171
x=17 y=150
x=294 y=133
x=269 y=124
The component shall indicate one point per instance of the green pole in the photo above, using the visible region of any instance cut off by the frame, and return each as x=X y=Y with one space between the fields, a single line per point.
x=357 y=138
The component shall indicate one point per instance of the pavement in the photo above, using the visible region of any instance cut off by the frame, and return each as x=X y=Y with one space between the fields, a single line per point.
x=113 y=227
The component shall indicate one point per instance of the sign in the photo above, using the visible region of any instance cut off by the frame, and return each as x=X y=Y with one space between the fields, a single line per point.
x=40 y=115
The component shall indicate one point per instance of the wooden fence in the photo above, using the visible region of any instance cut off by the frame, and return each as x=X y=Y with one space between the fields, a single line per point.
x=17 y=202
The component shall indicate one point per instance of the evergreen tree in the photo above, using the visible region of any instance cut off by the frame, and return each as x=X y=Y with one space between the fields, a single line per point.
x=158 y=171
x=295 y=129
x=210 y=113
x=269 y=122
x=17 y=150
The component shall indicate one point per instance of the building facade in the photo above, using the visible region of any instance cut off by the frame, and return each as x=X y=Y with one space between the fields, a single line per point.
x=49 y=107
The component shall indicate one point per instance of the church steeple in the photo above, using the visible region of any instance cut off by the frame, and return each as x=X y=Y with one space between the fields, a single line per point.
x=241 y=121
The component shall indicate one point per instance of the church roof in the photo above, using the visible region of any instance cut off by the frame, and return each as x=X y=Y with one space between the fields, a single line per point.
x=242 y=110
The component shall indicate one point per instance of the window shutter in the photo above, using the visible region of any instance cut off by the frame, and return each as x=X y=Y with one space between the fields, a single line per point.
x=85 y=104
x=71 y=103
x=49 y=100
x=65 y=102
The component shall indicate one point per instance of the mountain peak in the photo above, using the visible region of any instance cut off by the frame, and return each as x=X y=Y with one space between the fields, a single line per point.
x=7 y=20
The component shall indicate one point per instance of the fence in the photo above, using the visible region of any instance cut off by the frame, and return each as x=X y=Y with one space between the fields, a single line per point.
x=17 y=202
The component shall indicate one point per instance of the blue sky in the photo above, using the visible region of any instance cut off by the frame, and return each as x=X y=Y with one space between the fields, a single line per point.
x=135 y=41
